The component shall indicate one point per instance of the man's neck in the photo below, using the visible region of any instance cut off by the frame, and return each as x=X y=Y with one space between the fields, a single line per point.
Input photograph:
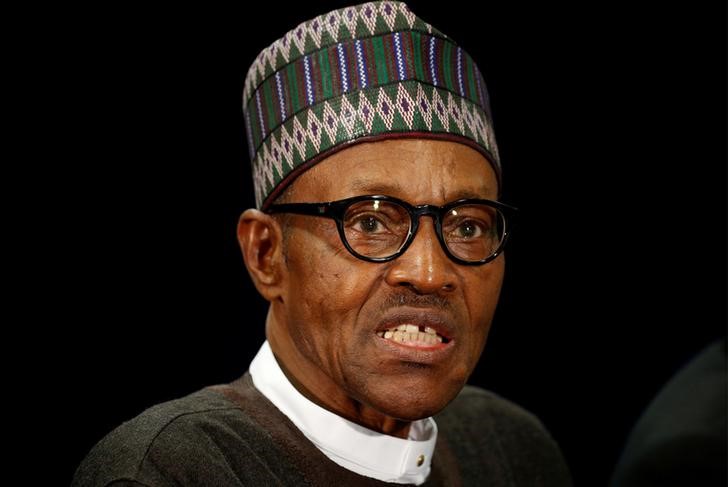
x=365 y=416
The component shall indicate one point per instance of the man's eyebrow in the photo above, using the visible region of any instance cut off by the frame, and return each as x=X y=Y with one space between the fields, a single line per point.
x=480 y=193
x=379 y=187
x=367 y=186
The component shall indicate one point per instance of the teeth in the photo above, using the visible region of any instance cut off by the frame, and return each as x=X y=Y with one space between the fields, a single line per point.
x=413 y=329
x=411 y=334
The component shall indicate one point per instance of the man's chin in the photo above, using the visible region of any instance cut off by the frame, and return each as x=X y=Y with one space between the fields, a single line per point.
x=412 y=401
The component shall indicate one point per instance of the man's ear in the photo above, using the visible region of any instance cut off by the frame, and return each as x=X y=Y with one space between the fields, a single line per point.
x=261 y=242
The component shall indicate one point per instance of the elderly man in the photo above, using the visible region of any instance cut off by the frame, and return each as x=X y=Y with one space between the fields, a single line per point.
x=378 y=241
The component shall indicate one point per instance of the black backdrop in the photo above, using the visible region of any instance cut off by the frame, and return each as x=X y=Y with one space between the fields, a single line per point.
x=611 y=124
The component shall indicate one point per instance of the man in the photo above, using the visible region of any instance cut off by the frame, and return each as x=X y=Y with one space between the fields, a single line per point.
x=378 y=242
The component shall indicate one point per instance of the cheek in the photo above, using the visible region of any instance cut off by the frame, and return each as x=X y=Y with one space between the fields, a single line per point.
x=324 y=271
x=482 y=295
x=320 y=285
x=312 y=273
x=326 y=290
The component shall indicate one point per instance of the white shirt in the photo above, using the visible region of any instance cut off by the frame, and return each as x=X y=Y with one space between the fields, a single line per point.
x=348 y=444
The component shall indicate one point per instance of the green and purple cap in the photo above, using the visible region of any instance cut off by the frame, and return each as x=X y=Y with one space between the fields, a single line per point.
x=362 y=73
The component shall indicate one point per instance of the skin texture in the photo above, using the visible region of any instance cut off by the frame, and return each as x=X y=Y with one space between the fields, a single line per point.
x=326 y=305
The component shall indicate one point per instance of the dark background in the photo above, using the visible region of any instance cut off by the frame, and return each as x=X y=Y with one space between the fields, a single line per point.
x=611 y=125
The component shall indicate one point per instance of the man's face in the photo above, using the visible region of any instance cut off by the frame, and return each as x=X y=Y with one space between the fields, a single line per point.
x=335 y=306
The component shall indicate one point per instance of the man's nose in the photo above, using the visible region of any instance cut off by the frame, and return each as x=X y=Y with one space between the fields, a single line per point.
x=424 y=267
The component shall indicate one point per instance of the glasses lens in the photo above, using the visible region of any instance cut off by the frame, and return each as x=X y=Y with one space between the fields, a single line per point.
x=473 y=232
x=376 y=228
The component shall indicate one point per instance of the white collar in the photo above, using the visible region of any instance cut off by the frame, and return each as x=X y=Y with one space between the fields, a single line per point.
x=348 y=444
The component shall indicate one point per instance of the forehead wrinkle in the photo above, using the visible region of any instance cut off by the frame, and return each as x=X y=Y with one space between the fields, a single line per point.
x=362 y=186
x=370 y=186
x=480 y=193
x=374 y=169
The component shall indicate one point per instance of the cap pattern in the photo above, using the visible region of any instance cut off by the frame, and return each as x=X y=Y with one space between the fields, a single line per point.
x=357 y=22
x=364 y=71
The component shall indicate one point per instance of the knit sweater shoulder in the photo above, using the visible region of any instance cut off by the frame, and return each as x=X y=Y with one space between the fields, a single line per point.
x=232 y=435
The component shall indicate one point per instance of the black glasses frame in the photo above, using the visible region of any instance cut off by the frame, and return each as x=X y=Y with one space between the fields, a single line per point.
x=337 y=209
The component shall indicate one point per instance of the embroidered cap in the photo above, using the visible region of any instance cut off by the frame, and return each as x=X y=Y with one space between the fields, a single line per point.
x=360 y=73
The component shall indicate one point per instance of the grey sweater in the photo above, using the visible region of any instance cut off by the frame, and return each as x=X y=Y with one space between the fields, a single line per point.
x=231 y=435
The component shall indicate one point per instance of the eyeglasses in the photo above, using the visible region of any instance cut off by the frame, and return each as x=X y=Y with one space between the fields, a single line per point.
x=381 y=228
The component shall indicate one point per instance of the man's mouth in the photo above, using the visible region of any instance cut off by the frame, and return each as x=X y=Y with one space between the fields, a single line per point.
x=413 y=335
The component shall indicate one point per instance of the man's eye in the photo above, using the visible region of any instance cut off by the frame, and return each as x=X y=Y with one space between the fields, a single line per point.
x=368 y=224
x=469 y=229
